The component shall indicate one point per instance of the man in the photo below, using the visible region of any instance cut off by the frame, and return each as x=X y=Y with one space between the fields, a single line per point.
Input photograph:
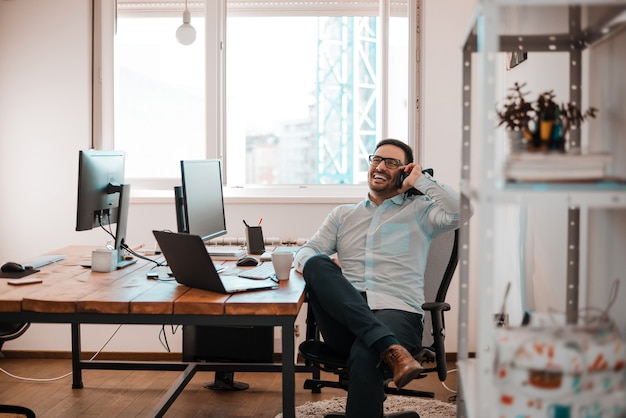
x=367 y=303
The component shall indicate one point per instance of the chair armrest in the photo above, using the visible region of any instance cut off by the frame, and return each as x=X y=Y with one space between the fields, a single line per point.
x=436 y=306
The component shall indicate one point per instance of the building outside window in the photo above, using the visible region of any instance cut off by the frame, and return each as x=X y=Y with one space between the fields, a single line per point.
x=302 y=90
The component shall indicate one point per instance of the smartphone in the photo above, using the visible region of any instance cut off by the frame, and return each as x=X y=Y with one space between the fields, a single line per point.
x=413 y=191
x=20 y=282
x=401 y=178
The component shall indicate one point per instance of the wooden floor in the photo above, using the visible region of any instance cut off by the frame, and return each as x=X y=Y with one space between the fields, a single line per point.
x=119 y=393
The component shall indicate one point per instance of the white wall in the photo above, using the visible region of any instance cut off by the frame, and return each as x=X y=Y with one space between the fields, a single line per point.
x=45 y=118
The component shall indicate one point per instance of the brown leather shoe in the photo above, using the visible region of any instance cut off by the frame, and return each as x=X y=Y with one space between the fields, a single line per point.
x=402 y=364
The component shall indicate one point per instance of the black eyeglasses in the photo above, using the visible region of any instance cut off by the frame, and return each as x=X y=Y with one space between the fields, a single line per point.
x=389 y=162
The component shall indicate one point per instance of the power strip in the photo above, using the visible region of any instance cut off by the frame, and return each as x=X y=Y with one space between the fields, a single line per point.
x=275 y=241
x=235 y=242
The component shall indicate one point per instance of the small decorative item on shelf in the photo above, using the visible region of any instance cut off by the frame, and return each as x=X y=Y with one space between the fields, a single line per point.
x=541 y=125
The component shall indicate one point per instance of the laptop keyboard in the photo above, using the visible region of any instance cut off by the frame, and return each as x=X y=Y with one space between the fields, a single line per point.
x=260 y=272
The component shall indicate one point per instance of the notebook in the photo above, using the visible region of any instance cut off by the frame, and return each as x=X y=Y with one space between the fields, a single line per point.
x=267 y=255
x=192 y=266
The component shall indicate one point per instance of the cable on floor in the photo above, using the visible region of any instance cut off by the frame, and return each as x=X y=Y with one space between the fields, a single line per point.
x=34 y=379
x=444 y=384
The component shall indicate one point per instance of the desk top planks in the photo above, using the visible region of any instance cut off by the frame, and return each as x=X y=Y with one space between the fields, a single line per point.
x=200 y=302
x=69 y=288
x=286 y=300
x=159 y=299
x=66 y=283
x=12 y=297
x=115 y=297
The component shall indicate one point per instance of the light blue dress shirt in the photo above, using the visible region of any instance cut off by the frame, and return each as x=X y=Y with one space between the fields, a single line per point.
x=383 y=249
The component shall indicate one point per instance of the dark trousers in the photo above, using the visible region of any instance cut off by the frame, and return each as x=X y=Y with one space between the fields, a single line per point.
x=351 y=328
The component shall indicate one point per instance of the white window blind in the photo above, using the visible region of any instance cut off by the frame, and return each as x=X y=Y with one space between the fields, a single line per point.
x=274 y=8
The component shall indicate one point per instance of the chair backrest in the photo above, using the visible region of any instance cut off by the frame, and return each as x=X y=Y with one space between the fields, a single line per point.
x=440 y=267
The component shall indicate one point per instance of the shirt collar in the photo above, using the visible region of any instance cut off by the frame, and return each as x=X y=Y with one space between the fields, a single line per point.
x=397 y=199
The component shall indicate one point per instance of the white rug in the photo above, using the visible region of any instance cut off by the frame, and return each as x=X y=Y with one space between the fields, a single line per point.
x=426 y=408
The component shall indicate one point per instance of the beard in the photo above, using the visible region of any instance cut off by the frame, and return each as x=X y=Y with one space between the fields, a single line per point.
x=387 y=186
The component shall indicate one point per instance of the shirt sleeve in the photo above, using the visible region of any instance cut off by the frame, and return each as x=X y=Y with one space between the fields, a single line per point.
x=323 y=242
x=444 y=214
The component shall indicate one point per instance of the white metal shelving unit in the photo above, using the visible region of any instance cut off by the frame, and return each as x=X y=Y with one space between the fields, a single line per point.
x=499 y=26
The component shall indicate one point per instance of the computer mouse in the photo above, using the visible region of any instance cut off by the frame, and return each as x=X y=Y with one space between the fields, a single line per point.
x=247 y=261
x=12 y=267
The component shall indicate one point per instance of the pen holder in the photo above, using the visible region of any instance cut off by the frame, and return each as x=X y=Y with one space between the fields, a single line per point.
x=254 y=240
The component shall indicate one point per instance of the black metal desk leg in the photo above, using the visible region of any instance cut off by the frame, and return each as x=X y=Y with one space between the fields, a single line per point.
x=289 y=371
x=77 y=371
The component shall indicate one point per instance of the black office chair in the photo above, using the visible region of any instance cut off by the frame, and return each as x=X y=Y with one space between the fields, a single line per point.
x=440 y=267
x=16 y=411
x=10 y=331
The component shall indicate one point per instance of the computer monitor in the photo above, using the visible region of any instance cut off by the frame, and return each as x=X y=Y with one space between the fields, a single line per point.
x=200 y=199
x=103 y=197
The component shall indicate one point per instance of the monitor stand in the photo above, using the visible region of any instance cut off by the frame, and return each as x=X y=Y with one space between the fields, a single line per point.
x=125 y=263
x=120 y=225
x=224 y=381
x=120 y=229
x=120 y=263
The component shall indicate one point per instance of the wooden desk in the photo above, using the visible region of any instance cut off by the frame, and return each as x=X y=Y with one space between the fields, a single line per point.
x=75 y=295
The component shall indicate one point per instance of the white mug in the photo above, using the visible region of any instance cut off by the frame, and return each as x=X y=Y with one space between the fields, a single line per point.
x=282 y=260
x=104 y=260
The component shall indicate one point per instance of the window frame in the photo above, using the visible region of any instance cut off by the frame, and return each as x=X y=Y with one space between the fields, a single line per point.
x=105 y=14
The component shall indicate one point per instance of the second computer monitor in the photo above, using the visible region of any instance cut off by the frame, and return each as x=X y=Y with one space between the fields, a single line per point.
x=200 y=200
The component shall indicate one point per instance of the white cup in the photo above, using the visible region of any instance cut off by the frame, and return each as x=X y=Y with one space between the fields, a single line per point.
x=104 y=260
x=282 y=260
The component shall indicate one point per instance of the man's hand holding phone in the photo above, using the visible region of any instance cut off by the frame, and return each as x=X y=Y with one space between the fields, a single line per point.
x=408 y=176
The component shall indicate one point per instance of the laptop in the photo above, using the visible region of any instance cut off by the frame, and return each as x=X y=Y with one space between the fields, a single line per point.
x=192 y=266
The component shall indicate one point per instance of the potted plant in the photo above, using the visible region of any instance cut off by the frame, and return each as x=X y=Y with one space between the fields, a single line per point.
x=516 y=112
x=517 y=115
x=574 y=116
x=542 y=124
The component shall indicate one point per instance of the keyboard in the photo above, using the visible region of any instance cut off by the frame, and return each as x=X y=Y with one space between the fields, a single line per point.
x=225 y=252
x=43 y=260
x=260 y=272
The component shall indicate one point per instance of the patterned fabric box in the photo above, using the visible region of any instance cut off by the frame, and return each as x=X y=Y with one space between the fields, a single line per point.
x=561 y=372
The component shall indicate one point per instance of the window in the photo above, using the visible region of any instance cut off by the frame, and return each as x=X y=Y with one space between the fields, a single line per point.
x=306 y=93
x=159 y=96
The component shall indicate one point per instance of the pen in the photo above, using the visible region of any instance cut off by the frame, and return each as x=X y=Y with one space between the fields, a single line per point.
x=260 y=220
x=246 y=223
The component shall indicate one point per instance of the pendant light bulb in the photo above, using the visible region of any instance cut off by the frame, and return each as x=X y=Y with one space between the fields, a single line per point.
x=186 y=33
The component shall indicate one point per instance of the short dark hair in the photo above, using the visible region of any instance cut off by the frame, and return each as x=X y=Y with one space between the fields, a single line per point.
x=408 y=152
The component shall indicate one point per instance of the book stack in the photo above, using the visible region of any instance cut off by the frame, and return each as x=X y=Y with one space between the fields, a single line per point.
x=555 y=167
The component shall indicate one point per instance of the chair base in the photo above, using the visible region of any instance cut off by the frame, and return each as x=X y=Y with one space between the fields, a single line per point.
x=389 y=390
x=316 y=385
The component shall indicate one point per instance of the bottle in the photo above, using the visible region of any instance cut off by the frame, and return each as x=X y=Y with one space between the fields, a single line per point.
x=556 y=136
